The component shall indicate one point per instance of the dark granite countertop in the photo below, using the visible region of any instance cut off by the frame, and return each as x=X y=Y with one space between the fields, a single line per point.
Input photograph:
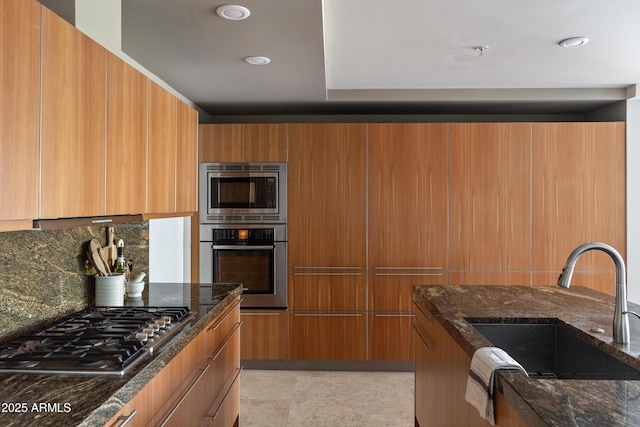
x=67 y=400
x=546 y=402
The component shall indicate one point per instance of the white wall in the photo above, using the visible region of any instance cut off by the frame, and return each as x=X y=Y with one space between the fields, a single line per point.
x=169 y=239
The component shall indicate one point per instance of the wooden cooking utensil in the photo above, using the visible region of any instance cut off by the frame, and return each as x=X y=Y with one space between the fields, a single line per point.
x=93 y=253
x=110 y=250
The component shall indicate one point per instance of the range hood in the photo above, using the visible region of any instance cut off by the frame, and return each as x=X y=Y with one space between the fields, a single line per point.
x=60 y=223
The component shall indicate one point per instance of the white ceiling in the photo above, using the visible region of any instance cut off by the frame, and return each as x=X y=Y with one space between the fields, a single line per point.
x=372 y=55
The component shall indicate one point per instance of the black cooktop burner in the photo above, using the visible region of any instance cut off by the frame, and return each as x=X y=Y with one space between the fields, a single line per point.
x=99 y=340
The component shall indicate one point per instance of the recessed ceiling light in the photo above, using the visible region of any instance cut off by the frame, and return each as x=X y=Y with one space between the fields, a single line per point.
x=257 y=60
x=233 y=12
x=574 y=42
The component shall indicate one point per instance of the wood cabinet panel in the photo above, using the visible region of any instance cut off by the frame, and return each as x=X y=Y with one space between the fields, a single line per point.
x=73 y=121
x=391 y=292
x=126 y=138
x=573 y=193
x=327 y=291
x=408 y=195
x=621 y=189
x=490 y=203
x=221 y=143
x=264 y=334
x=19 y=109
x=490 y=278
x=224 y=368
x=265 y=142
x=186 y=158
x=391 y=336
x=327 y=336
x=161 y=191
x=601 y=281
x=227 y=414
x=327 y=195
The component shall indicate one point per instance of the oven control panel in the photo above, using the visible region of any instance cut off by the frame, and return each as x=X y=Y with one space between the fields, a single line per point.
x=240 y=235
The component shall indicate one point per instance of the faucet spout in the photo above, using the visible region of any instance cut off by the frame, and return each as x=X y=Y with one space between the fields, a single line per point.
x=620 y=318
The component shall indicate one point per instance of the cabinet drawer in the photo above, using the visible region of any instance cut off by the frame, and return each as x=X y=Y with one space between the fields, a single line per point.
x=264 y=335
x=391 y=336
x=218 y=330
x=190 y=409
x=226 y=414
x=392 y=289
x=223 y=364
x=341 y=290
x=328 y=336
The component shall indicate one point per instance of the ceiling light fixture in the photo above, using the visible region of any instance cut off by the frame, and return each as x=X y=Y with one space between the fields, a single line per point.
x=481 y=49
x=257 y=60
x=233 y=12
x=574 y=42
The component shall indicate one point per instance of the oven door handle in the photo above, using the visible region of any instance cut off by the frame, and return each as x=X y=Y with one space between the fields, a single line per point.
x=242 y=247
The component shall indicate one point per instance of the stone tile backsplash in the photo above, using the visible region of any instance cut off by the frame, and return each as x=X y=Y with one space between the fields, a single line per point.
x=42 y=273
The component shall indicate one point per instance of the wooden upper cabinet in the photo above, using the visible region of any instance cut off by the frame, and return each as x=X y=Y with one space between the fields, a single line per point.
x=490 y=196
x=407 y=196
x=243 y=143
x=265 y=142
x=327 y=195
x=73 y=121
x=19 y=108
x=186 y=158
x=221 y=143
x=161 y=191
x=126 y=138
x=574 y=192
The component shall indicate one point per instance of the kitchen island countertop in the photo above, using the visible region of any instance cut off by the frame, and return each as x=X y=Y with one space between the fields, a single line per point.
x=73 y=400
x=546 y=402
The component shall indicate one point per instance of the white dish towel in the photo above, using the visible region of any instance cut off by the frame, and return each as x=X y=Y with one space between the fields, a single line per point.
x=481 y=382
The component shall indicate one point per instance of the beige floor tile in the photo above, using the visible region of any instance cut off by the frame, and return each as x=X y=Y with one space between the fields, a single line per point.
x=326 y=399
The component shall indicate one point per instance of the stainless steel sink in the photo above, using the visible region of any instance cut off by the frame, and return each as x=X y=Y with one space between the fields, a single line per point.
x=549 y=350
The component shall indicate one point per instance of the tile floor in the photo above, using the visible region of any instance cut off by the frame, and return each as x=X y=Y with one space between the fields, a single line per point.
x=326 y=399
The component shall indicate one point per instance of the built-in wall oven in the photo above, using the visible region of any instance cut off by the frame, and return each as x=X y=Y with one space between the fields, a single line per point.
x=252 y=254
x=243 y=229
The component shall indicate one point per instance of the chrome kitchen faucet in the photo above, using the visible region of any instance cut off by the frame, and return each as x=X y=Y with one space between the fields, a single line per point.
x=620 y=319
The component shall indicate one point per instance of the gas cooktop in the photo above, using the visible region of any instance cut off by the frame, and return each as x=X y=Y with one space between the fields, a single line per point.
x=95 y=341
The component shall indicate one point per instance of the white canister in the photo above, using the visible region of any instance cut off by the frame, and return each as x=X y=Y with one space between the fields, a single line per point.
x=110 y=290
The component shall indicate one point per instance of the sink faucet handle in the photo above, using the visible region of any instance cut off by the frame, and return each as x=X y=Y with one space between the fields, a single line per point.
x=632 y=312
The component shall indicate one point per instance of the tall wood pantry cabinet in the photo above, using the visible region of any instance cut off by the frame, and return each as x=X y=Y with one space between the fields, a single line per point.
x=407 y=219
x=327 y=244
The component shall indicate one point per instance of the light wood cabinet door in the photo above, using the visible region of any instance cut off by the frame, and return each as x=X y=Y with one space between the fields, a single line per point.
x=161 y=191
x=73 y=121
x=263 y=335
x=408 y=196
x=265 y=142
x=126 y=138
x=490 y=169
x=186 y=158
x=327 y=193
x=574 y=193
x=330 y=291
x=327 y=336
x=19 y=109
x=221 y=143
x=391 y=336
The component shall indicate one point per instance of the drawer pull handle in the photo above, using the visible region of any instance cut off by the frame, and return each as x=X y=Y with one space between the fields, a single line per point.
x=410 y=274
x=327 y=274
x=200 y=375
x=408 y=268
x=214 y=327
x=428 y=318
x=393 y=315
x=213 y=417
x=326 y=315
x=214 y=357
x=124 y=420
x=419 y=335
x=326 y=268
x=260 y=314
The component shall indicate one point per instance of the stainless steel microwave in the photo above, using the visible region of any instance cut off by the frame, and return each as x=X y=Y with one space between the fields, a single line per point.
x=243 y=193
